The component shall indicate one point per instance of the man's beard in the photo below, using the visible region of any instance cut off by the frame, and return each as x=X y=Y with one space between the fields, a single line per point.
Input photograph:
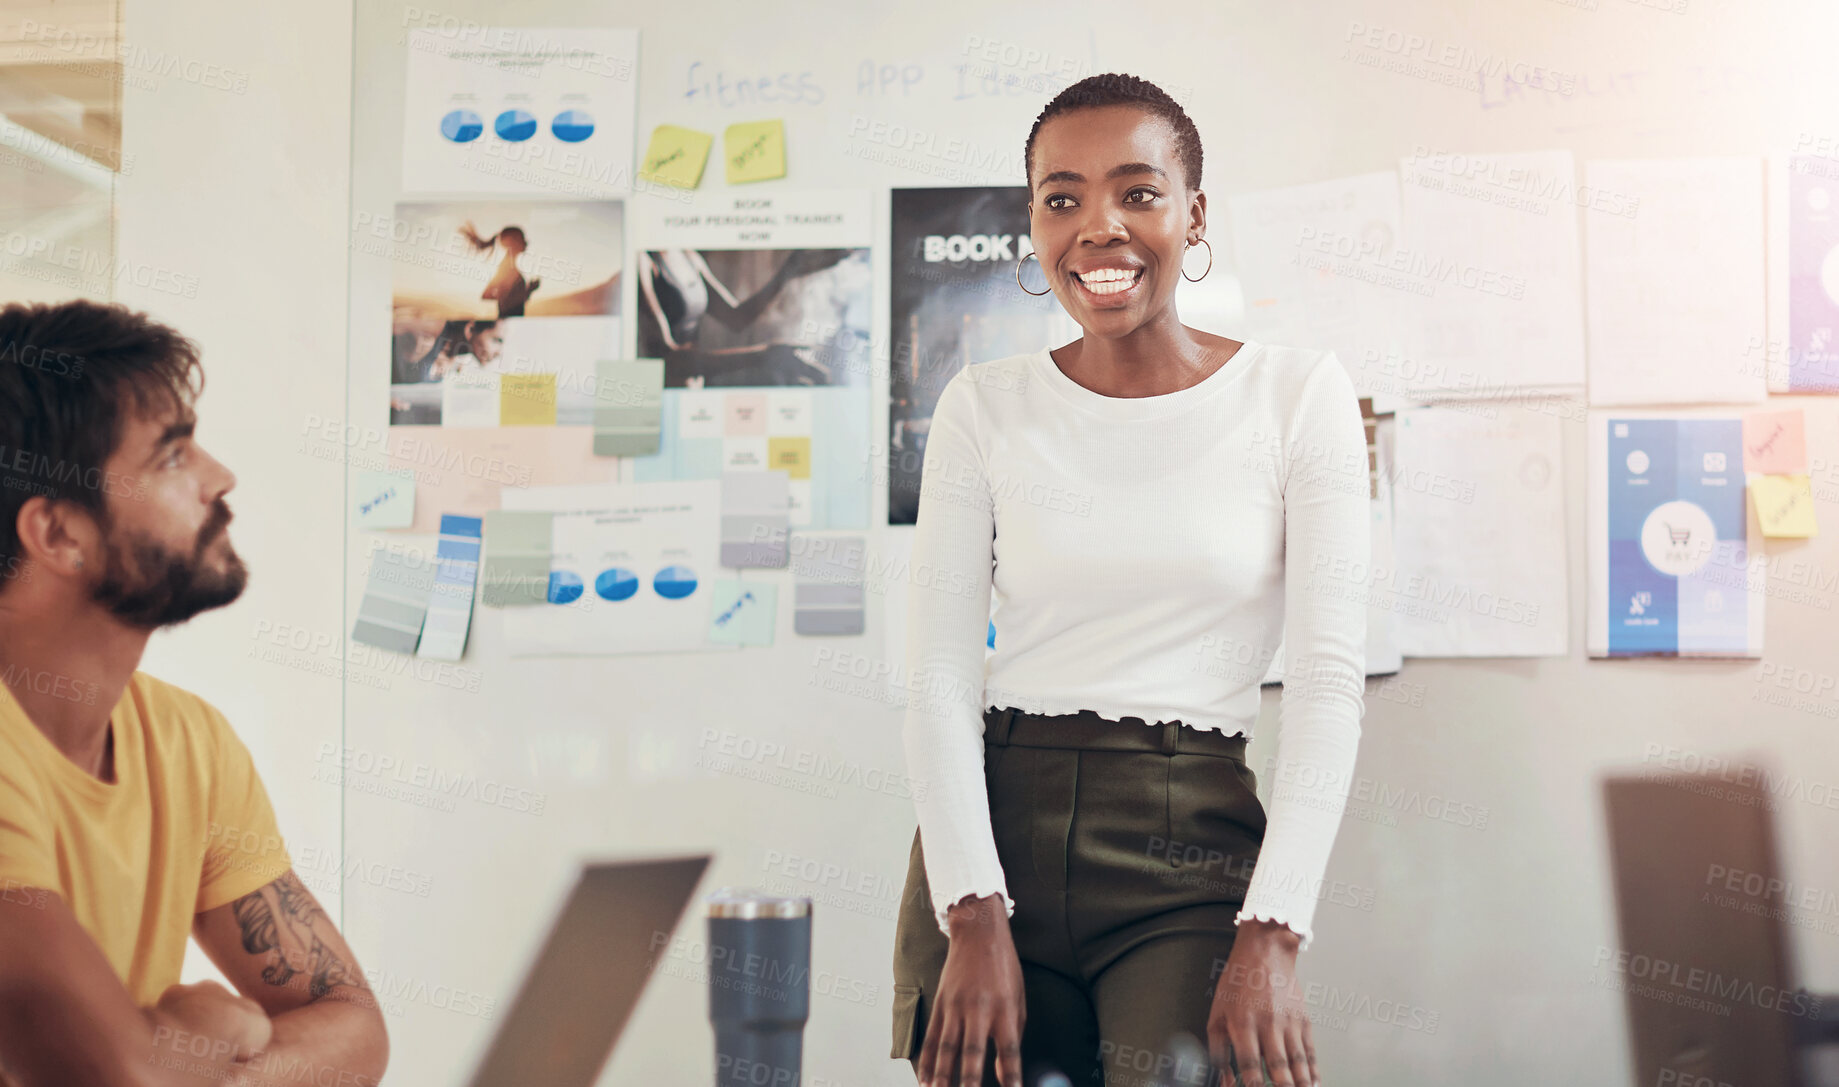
x=166 y=588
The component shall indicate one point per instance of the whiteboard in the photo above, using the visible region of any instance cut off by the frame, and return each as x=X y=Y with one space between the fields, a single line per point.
x=1480 y=930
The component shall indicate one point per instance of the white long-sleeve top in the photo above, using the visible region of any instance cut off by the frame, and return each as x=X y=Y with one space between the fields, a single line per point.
x=1146 y=554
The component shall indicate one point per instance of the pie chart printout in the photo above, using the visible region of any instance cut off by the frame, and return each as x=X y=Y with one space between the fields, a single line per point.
x=462 y=126
x=572 y=126
x=616 y=584
x=564 y=586
x=515 y=125
x=674 y=582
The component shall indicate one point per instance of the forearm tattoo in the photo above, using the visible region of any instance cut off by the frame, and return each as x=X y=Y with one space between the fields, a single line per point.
x=281 y=922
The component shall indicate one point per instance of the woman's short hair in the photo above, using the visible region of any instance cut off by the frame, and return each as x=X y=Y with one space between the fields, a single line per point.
x=1117 y=89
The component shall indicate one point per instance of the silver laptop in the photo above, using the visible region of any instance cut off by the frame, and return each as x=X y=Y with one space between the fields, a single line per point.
x=589 y=974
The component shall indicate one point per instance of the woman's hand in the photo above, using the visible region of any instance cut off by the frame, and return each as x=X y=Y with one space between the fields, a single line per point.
x=980 y=998
x=1258 y=1012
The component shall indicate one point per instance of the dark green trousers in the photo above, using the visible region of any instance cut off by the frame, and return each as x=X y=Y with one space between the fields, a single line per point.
x=1127 y=849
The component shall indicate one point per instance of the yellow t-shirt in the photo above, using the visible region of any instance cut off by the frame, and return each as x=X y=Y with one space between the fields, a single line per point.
x=185 y=827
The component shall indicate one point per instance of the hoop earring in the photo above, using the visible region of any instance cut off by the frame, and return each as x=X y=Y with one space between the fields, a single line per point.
x=1018 y=276
x=1203 y=275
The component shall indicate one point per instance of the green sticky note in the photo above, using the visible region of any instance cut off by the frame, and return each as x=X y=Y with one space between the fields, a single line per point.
x=628 y=407
x=676 y=156
x=384 y=499
x=514 y=568
x=742 y=612
x=755 y=151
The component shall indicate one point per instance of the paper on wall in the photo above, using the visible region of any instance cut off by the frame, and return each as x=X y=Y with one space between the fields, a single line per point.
x=743 y=612
x=514 y=568
x=1479 y=499
x=384 y=499
x=754 y=150
x=759 y=305
x=519 y=109
x=828 y=591
x=1306 y=257
x=1490 y=272
x=628 y=407
x=1802 y=354
x=395 y=599
x=814 y=435
x=630 y=569
x=1675 y=569
x=675 y=156
x=1676 y=291
x=1784 y=505
x=754 y=518
x=1775 y=441
x=461 y=470
x=456 y=575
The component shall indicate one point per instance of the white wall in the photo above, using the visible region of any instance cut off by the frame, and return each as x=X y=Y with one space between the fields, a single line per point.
x=240 y=186
x=1493 y=929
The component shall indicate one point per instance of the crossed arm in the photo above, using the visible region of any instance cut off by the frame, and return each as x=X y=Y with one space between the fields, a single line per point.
x=278 y=947
x=305 y=1010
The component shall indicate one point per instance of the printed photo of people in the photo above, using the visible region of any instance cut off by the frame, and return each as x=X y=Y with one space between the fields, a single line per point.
x=756 y=316
x=955 y=302
x=468 y=274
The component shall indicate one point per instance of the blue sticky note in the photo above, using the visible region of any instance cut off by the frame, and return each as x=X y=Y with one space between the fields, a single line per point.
x=742 y=612
x=383 y=499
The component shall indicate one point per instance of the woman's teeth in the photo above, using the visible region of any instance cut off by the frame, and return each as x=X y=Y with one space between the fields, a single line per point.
x=1108 y=280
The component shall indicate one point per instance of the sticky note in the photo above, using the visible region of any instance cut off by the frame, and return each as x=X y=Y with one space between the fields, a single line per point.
x=383 y=499
x=628 y=407
x=755 y=151
x=742 y=612
x=456 y=572
x=514 y=568
x=395 y=600
x=1775 y=442
x=527 y=400
x=1784 y=505
x=790 y=455
x=756 y=516
x=676 y=156
x=828 y=595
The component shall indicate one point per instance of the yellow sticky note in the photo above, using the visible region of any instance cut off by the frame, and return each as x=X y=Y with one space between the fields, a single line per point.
x=527 y=400
x=755 y=150
x=1784 y=505
x=791 y=455
x=676 y=156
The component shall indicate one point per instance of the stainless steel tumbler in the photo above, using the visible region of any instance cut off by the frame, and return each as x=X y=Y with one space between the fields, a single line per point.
x=759 y=986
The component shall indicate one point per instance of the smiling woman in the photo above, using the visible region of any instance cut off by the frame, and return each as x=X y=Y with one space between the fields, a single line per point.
x=1146 y=932
x=1114 y=177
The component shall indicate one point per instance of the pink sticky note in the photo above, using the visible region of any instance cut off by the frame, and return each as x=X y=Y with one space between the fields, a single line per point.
x=1775 y=442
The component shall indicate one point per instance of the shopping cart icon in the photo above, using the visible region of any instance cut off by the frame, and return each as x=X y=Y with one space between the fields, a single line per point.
x=1679 y=536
